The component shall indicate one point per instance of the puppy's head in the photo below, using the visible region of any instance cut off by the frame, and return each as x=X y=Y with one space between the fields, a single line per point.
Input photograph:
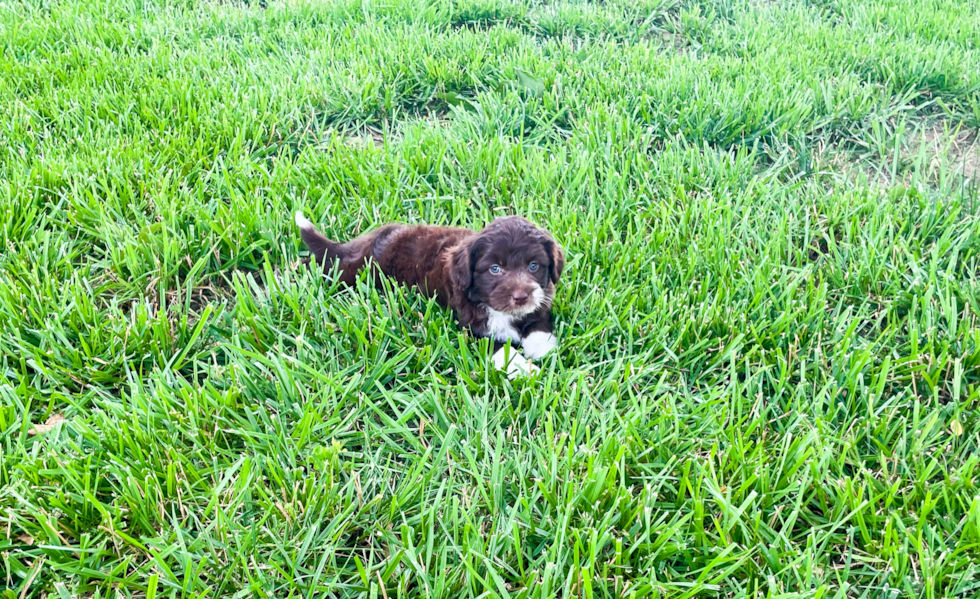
x=511 y=266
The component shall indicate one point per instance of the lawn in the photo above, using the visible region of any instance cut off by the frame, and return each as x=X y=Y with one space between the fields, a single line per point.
x=768 y=375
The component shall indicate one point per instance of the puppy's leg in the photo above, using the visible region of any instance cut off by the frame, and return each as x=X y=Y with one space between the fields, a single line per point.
x=505 y=337
x=537 y=335
x=507 y=358
x=539 y=343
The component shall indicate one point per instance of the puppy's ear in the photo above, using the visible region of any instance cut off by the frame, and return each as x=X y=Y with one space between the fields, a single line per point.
x=557 y=256
x=461 y=267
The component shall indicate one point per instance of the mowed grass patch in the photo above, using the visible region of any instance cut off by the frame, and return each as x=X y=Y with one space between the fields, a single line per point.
x=766 y=384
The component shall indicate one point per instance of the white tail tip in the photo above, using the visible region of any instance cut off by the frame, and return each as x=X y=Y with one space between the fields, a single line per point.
x=302 y=222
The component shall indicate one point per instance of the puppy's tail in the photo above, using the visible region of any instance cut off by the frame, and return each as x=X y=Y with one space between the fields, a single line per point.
x=323 y=249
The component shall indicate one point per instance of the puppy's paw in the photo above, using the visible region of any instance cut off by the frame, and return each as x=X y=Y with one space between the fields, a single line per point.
x=515 y=364
x=538 y=343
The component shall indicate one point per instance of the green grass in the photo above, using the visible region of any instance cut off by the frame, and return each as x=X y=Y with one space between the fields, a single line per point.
x=767 y=382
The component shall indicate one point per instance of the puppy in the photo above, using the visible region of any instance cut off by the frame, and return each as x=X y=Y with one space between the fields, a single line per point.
x=500 y=281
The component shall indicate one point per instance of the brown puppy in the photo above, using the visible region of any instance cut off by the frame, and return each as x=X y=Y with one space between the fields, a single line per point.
x=500 y=281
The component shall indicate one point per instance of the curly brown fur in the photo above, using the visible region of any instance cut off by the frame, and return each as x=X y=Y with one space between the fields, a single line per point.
x=500 y=281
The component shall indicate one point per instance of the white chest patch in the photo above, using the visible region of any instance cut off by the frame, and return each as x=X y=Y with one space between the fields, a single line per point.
x=501 y=327
x=538 y=343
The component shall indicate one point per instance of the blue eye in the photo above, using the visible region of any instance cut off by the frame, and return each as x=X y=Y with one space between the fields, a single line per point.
x=532 y=266
x=495 y=270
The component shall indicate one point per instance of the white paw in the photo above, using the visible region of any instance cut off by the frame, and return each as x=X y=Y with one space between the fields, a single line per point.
x=515 y=363
x=538 y=343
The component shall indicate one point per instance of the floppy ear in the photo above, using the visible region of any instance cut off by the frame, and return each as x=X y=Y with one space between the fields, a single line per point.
x=557 y=259
x=461 y=267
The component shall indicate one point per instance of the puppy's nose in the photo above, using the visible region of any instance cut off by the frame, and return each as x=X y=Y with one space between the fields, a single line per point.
x=520 y=297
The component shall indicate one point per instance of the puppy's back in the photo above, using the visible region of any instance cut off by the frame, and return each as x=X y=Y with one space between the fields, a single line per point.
x=418 y=255
x=413 y=255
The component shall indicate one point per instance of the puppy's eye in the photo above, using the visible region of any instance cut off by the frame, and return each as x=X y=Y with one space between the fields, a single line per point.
x=495 y=270
x=532 y=266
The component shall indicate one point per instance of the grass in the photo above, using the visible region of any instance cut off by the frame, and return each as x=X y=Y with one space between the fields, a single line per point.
x=767 y=383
